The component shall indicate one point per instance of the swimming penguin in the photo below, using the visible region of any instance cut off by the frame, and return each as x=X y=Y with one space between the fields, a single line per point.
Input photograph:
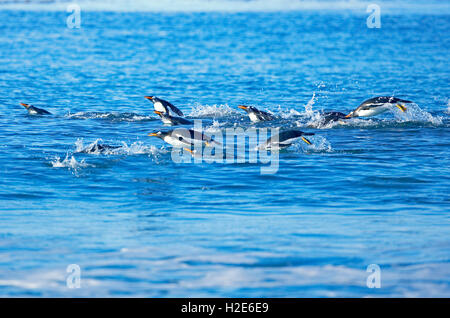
x=34 y=110
x=378 y=105
x=285 y=139
x=172 y=120
x=162 y=105
x=255 y=114
x=98 y=149
x=332 y=117
x=182 y=138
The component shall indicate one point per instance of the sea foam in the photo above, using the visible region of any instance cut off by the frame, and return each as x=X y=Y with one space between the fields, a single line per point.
x=113 y=116
x=212 y=111
x=415 y=114
x=134 y=148
x=69 y=162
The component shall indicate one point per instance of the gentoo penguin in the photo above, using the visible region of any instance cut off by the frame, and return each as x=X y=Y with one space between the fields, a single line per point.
x=34 y=110
x=332 y=117
x=182 y=138
x=378 y=105
x=285 y=139
x=98 y=149
x=172 y=120
x=162 y=105
x=255 y=114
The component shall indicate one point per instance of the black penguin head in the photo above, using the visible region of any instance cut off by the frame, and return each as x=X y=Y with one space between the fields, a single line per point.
x=247 y=108
x=153 y=99
x=25 y=105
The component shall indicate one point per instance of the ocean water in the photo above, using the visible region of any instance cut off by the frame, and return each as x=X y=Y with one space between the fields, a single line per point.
x=372 y=191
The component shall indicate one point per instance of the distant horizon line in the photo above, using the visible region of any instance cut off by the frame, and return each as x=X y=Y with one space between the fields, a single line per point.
x=227 y=6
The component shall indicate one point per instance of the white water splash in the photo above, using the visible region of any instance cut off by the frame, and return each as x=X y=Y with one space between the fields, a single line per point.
x=293 y=113
x=69 y=162
x=287 y=113
x=319 y=144
x=214 y=128
x=135 y=148
x=310 y=104
x=212 y=111
x=314 y=116
x=79 y=144
x=90 y=115
x=139 y=148
x=415 y=114
x=114 y=116
x=94 y=148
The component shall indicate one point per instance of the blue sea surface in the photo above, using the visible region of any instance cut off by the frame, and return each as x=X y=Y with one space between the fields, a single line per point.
x=372 y=191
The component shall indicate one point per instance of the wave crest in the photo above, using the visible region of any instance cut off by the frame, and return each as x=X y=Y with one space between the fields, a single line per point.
x=97 y=147
x=112 y=116
x=415 y=114
x=212 y=111
x=69 y=162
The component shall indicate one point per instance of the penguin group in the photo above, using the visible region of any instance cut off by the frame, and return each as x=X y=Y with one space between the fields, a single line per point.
x=189 y=137
x=371 y=107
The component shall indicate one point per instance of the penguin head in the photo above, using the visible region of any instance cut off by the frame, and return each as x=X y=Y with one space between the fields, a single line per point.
x=153 y=99
x=246 y=108
x=352 y=114
x=159 y=134
x=25 y=105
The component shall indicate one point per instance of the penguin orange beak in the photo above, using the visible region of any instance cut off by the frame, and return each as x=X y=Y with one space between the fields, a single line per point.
x=149 y=97
x=25 y=105
x=348 y=116
x=152 y=135
x=158 y=112
x=242 y=107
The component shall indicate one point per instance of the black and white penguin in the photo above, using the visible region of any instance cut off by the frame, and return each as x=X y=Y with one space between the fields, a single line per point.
x=285 y=139
x=163 y=106
x=34 y=110
x=255 y=114
x=377 y=105
x=172 y=120
x=182 y=138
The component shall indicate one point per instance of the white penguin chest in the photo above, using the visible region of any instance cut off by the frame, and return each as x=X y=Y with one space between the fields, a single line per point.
x=166 y=121
x=175 y=141
x=253 y=117
x=373 y=111
x=158 y=106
